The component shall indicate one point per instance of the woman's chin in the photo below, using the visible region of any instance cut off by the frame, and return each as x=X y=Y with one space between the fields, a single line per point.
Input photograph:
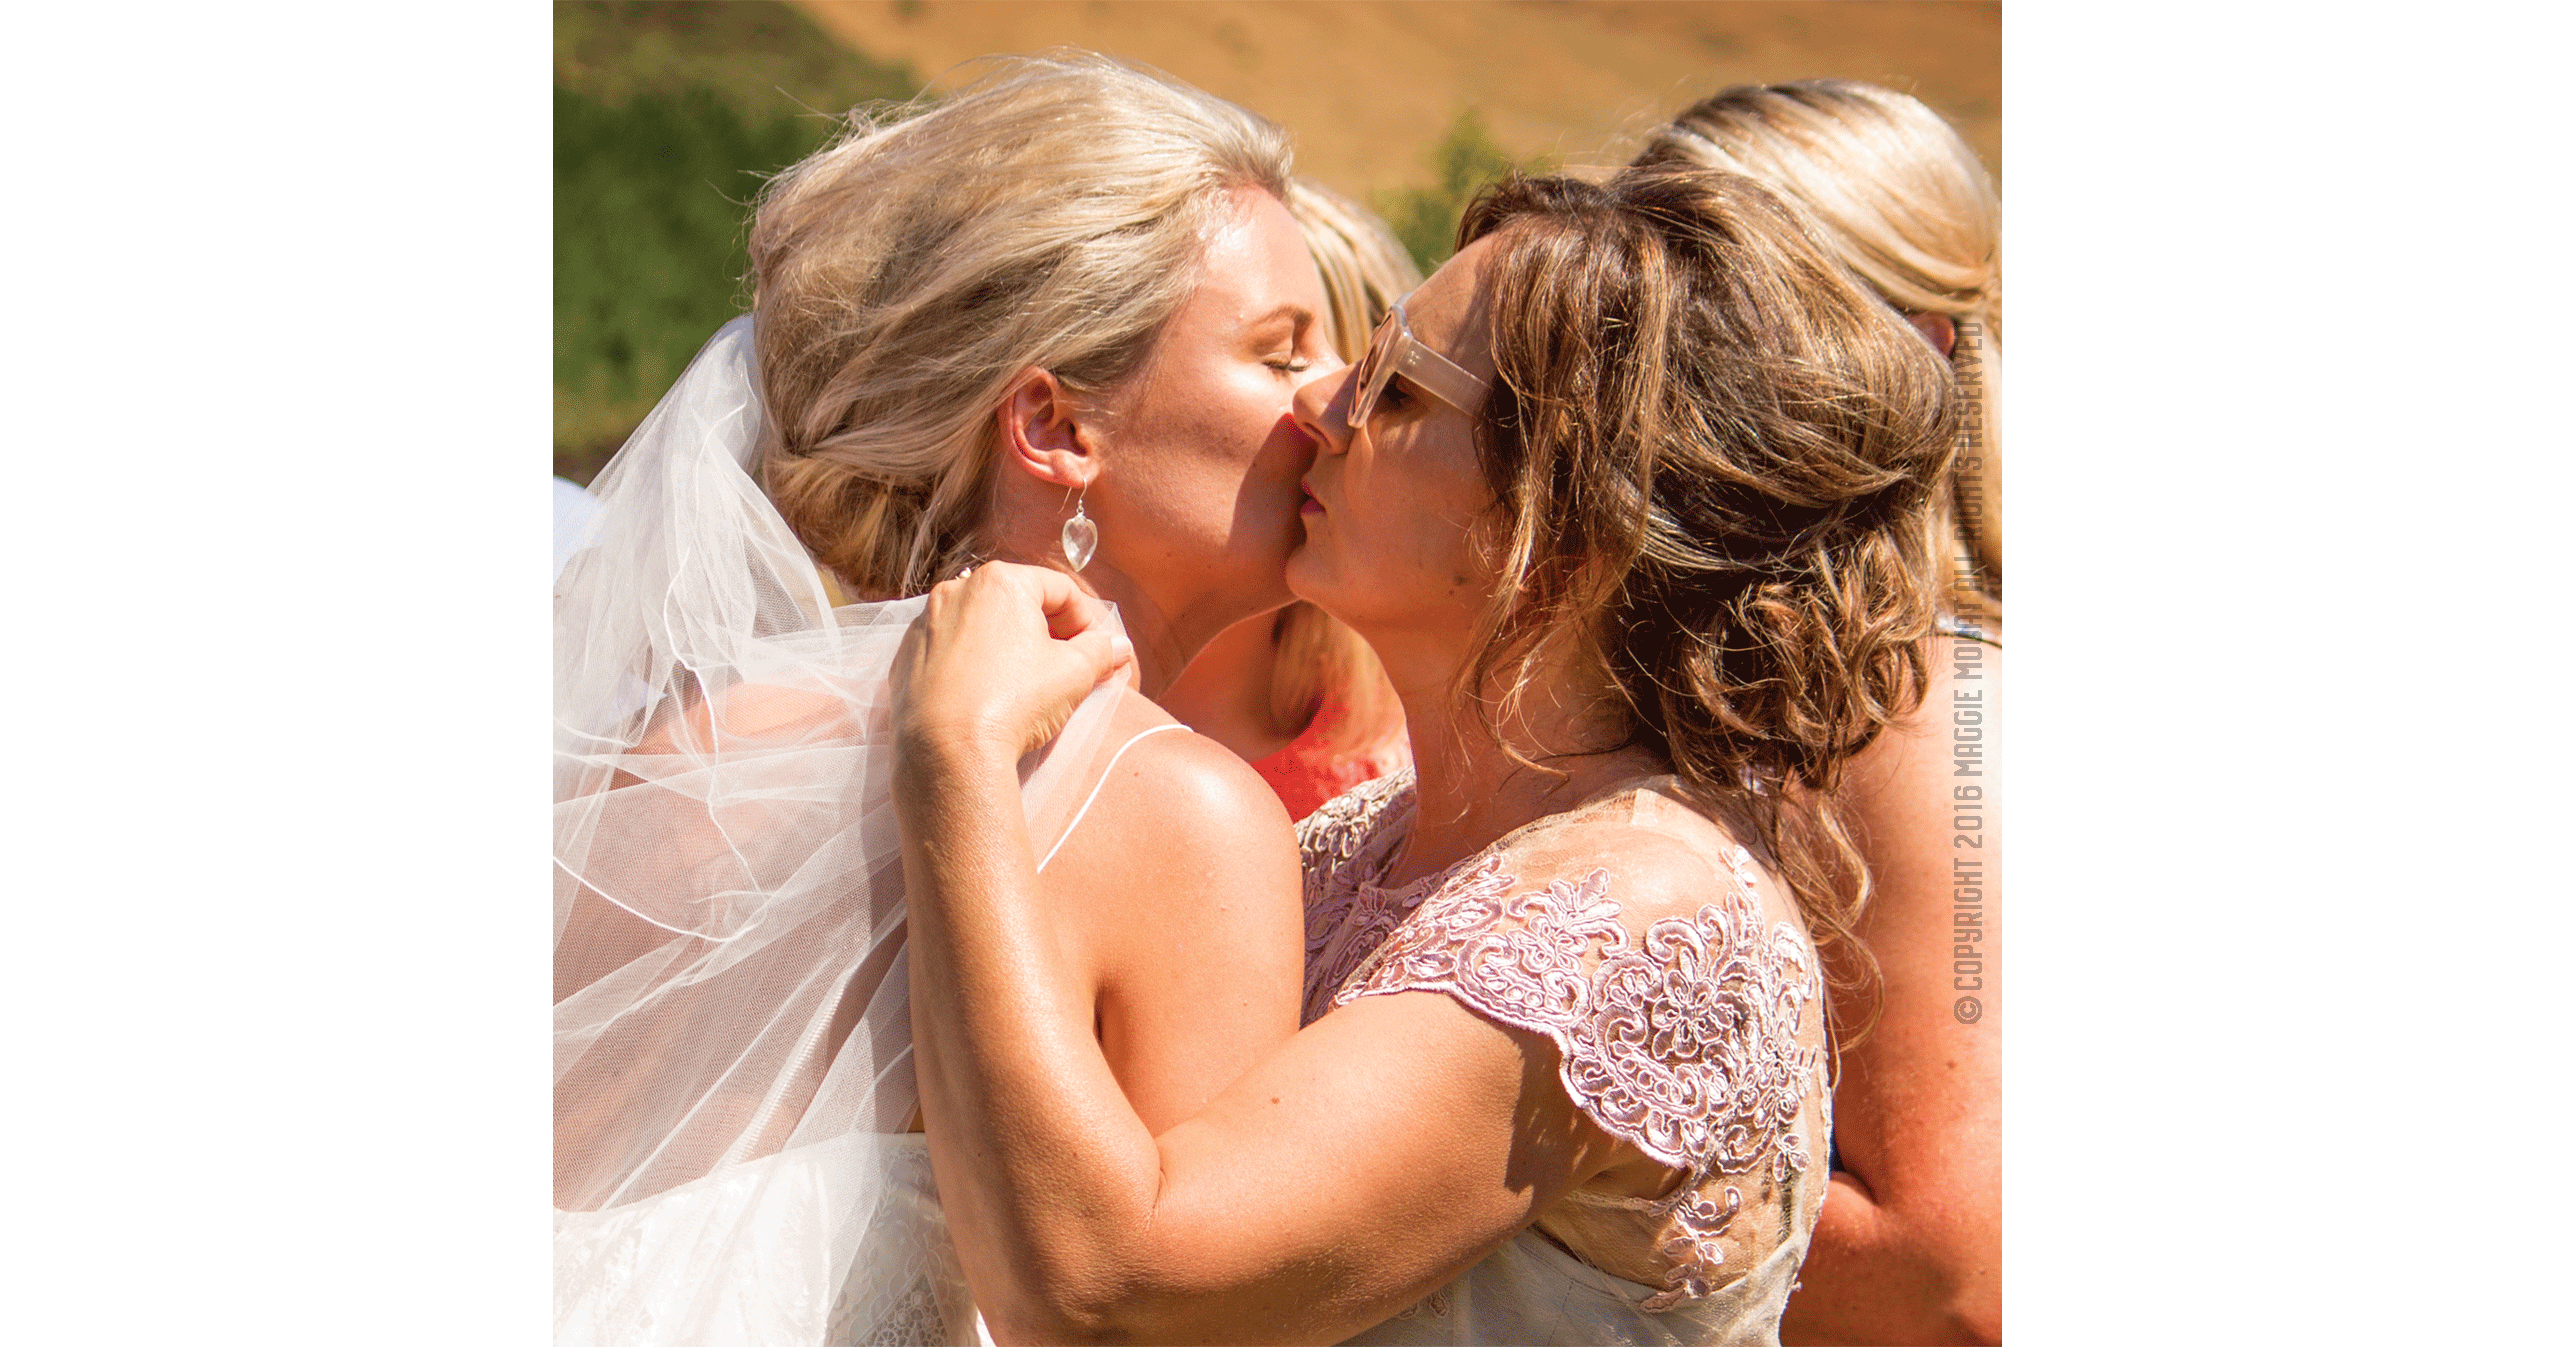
x=1306 y=576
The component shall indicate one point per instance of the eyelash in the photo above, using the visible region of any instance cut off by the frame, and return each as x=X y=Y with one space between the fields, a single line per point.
x=1293 y=362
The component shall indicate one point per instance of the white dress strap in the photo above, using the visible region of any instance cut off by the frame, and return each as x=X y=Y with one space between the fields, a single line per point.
x=1097 y=793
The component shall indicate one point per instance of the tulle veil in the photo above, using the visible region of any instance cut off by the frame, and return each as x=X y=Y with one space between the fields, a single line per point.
x=732 y=1066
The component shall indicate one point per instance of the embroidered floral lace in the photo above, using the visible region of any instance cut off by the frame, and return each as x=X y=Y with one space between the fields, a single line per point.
x=1699 y=1042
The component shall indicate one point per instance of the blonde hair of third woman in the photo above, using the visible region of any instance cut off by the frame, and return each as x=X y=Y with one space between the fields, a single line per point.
x=1897 y=197
x=1049 y=213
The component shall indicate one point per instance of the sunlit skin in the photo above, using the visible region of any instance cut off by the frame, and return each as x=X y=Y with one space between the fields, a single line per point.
x=1225 y=692
x=1395 y=548
x=1381 y=1150
x=1908 y=1250
x=1388 y=510
x=1189 y=470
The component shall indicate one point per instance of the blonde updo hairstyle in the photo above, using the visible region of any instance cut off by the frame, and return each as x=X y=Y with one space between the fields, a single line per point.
x=1897 y=197
x=1365 y=268
x=1049 y=213
x=1715 y=460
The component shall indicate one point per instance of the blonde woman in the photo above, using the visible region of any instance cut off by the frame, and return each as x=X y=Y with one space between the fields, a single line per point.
x=1057 y=317
x=1294 y=692
x=1635 y=499
x=1909 y=1249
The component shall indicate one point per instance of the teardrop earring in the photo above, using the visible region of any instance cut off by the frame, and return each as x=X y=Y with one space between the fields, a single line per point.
x=1079 y=536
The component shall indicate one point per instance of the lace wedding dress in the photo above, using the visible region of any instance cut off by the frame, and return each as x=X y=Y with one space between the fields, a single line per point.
x=1670 y=973
x=734 y=1085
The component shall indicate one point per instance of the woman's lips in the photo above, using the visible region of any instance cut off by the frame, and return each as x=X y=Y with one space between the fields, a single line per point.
x=1310 y=505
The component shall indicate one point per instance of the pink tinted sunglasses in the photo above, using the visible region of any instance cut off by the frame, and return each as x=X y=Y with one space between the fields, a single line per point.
x=1394 y=350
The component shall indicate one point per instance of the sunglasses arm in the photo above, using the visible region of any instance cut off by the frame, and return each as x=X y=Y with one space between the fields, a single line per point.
x=1446 y=378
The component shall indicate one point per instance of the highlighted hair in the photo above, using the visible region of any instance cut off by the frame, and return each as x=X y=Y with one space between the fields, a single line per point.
x=1898 y=198
x=1049 y=213
x=1716 y=461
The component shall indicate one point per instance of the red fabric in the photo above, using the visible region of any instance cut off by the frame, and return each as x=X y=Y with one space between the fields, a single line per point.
x=1313 y=769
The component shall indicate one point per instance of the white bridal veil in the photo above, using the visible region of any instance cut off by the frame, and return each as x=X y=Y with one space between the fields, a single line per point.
x=733 y=1080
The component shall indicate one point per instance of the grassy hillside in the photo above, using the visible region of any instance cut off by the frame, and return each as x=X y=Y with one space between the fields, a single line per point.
x=1426 y=217
x=669 y=114
x=666 y=117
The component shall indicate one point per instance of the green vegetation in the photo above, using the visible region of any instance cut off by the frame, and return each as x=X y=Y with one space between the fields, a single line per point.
x=669 y=115
x=666 y=119
x=1426 y=218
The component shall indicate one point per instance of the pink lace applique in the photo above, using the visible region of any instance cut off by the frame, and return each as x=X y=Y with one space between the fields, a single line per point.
x=1338 y=833
x=1345 y=918
x=1688 y=1045
x=1437 y=1302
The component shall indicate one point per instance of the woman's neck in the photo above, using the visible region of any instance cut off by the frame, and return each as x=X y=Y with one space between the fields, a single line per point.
x=1167 y=616
x=1164 y=639
x=1468 y=791
x=1225 y=692
x=1153 y=632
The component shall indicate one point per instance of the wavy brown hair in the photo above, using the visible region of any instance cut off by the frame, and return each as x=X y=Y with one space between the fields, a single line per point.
x=1717 y=459
x=1900 y=199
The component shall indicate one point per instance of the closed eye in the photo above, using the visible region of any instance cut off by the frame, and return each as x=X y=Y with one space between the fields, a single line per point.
x=1288 y=339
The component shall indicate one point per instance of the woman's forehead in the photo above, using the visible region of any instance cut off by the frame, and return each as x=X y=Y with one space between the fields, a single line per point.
x=1255 y=262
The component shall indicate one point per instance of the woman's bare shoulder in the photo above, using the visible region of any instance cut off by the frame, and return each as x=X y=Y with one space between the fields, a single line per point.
x=1188 y=782
x=1896 y=793
x=1960 y=705
x=1179 y=821
x=1180 y=890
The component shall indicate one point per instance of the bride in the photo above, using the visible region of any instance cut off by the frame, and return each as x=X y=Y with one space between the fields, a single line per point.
x=1057 y=317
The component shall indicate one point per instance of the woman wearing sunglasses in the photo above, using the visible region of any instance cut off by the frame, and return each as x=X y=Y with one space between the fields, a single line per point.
x=1294 y=692
x=1633 y=499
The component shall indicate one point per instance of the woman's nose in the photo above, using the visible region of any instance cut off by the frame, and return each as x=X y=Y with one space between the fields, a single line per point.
x=1322 y=409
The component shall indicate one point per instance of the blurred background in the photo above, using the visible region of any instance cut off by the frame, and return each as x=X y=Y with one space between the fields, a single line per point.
x=667 y=114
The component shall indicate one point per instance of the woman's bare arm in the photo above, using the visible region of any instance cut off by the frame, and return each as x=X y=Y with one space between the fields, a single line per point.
x=1908 y=1248
x=1367 y=1160
x=1339 y=1180
x=1191 y=936
x=1181 y=946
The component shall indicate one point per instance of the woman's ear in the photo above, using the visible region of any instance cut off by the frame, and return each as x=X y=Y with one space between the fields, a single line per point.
x=1939 y=329
x=1039 y=429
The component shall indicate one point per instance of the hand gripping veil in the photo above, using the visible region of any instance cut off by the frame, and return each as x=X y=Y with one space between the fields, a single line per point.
x=733 y=1076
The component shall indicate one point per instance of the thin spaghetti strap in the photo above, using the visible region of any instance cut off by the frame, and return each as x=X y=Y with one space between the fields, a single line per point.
x=1097 y=794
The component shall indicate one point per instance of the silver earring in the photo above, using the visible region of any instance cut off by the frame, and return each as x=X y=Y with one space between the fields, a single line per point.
x=1079 y=535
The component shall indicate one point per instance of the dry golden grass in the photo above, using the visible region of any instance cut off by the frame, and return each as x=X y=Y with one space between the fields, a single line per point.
x=1369 y=88
x=1372 y=89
